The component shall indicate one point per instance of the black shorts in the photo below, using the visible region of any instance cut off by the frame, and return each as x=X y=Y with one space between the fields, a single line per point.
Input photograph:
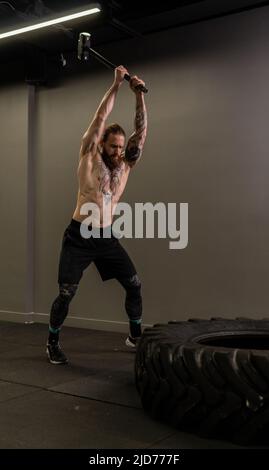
x=77 y=253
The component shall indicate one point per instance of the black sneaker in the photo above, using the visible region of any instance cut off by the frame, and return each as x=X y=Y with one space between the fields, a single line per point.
x=55 y=354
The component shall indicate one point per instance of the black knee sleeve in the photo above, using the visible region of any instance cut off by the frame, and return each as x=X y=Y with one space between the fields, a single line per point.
x=131 y=283
x=59 y=309
x=67 y=291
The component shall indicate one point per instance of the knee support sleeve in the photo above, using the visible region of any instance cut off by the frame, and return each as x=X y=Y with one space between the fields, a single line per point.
x=59 y=309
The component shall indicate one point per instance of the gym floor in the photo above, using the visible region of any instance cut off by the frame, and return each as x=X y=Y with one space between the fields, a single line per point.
x=91 y=403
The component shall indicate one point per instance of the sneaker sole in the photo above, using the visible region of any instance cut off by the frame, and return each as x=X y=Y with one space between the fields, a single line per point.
x=55 y=362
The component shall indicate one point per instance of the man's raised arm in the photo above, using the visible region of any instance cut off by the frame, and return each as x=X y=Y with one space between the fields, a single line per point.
x=94 y=133
x=136 y=141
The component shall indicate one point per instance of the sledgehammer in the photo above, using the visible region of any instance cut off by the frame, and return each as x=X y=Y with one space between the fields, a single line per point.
x=84 y=51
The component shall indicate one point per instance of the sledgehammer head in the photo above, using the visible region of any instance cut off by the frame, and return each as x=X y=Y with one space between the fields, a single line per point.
x=84 y=45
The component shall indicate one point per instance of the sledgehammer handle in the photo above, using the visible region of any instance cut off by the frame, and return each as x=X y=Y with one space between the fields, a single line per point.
x=113 y=66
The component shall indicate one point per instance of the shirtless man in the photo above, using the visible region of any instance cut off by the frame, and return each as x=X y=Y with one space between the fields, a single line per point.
x=103 y=172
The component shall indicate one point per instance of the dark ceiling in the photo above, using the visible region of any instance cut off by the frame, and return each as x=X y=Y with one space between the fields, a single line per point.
x=117 y=21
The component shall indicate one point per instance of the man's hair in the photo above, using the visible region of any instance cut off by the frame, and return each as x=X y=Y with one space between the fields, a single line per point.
x=113 y=129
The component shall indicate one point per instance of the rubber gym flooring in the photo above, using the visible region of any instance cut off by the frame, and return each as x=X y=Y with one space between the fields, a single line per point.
x=91 y=403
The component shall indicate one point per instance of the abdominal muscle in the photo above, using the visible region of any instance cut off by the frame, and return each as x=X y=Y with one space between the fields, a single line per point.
x=98 y=218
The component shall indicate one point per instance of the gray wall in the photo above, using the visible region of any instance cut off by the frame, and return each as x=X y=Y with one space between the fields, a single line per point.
x=207 y=145
x=13 y=199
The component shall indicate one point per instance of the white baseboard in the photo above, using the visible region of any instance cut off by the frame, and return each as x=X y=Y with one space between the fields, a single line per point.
x=18 y=317
x=71 y=320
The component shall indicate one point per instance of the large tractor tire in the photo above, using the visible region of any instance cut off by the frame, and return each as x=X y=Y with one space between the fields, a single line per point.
x=210 y=377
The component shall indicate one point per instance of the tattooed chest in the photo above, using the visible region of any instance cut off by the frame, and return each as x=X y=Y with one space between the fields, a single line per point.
x=109 y=180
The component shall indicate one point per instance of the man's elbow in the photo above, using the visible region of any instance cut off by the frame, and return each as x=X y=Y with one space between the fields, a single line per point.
x=132 y=155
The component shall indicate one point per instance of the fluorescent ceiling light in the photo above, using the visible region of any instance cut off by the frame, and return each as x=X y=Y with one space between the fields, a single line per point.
x=62 y=19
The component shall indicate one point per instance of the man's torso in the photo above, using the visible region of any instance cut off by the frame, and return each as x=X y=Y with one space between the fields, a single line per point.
x=99 y=185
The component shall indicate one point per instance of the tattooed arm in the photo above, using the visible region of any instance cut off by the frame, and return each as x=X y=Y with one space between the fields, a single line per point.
x=136 y=141
x=95 y=131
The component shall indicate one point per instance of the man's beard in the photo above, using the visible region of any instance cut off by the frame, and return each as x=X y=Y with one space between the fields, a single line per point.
x=110 y=162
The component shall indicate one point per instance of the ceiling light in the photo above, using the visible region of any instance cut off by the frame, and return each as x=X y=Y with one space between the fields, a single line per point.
x=45 y=24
